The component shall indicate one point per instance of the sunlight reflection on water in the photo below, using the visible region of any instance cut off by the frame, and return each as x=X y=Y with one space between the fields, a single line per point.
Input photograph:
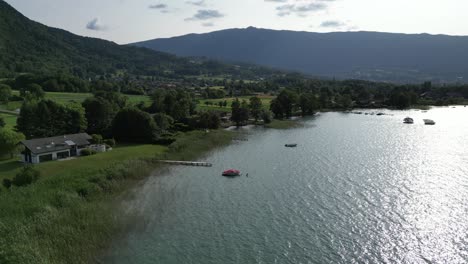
x=357 y=189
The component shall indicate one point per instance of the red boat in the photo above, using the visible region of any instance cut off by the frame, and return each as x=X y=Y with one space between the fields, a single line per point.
x=231 y=173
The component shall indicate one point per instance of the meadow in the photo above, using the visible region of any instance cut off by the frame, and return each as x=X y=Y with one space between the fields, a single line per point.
x=80 y=97
x=266 y=101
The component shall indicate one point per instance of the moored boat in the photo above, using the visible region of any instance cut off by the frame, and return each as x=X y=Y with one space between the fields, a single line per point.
x=231 y=173
x=408 y=120
x=290 y=145
x=429 y=122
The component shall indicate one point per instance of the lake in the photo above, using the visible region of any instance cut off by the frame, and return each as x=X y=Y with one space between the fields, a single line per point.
x=357 y=189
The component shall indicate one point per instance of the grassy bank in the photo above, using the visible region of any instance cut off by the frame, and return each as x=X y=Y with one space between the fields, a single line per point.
x=69 y=214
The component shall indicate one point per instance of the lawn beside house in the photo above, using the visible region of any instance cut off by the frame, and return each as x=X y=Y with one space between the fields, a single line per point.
x=71 y=213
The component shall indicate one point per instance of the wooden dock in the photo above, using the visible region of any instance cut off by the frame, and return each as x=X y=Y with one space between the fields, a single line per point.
x=187 y=163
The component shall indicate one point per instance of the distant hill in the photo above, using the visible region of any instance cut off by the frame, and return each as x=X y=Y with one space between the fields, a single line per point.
x=362 y=55
x=30 y=47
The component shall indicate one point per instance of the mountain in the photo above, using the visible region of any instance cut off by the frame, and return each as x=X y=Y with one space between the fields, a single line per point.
x=363 y=55
x=30 y=47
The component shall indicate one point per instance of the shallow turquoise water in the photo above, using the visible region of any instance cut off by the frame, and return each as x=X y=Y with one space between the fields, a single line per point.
x=357 y=189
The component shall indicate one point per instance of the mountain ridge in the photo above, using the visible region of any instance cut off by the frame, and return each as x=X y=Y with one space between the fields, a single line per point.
x=376 y=56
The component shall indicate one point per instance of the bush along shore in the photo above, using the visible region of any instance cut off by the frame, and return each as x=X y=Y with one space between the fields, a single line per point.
x=71 y=216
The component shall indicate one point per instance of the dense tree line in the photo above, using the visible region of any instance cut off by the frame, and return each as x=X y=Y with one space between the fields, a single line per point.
x=46 y=118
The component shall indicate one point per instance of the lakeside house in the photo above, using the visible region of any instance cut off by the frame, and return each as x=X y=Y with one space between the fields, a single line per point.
x=55 y=148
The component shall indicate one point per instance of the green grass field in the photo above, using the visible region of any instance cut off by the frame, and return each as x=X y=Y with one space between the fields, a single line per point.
x=80 y=97
x=266 y=100
x=10 y=120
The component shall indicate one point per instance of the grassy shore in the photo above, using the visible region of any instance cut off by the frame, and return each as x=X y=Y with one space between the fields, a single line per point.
x=69 y=215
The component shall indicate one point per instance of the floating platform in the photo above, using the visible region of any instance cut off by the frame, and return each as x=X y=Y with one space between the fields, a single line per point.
x=186 y=163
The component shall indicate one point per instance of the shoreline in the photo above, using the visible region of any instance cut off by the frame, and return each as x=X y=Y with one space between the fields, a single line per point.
x=72 y=217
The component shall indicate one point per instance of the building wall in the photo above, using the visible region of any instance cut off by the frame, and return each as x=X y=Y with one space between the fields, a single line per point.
x=36 y=158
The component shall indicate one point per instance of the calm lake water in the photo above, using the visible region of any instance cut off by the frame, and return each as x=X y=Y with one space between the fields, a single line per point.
x=357 y=189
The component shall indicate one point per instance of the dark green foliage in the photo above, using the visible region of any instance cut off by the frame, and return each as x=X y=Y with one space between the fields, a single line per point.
x=101 y=109
x=32 y=91
x=110 y=142
x=308 y=103
x=255 y=107
x=2 y=122
x=178 y=104
x=9 y=140
x=52 y=83
x=240 y=112
x=7 y=183
x=135 y=126
x=96 y=139
x=87 y=152
x=210 y=93
x=47 y=118
x=208 y=119
x=5 y=93
x=26 y=176
x=163 y=121
x=266 y=116
x=284 y=103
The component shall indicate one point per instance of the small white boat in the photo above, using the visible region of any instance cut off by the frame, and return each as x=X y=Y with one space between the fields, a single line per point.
x=408 y=120
x=429 y=122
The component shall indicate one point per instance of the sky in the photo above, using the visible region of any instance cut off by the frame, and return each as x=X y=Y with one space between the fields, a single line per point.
x=128 y=21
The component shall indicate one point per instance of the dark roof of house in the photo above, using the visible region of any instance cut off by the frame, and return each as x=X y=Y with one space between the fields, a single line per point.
x=53 y=144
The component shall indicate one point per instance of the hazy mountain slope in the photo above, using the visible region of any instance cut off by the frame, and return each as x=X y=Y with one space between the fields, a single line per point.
x=367 y=55
x=28 y=46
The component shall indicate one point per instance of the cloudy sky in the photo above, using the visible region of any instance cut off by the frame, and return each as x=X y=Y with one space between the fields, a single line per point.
x=125 y=21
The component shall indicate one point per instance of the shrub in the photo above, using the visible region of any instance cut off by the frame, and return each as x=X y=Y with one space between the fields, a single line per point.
x=110 y=142
x=96 y=139
x=266 y=116
x=165 y=140
x=6 y=183
x=26 y=176
x=87 y=152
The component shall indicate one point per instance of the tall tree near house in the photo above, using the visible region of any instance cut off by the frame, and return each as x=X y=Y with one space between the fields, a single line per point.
x=5 y=93
x=99 y=113
x=255 y=107
x=9 y=141
x=134 y=126
x=47 y=118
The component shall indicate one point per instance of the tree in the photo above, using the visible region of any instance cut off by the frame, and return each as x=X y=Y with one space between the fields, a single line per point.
x=9 y=141
x=255 y=107
x=266 y=116
x=32 y=91
x=135 y=126
x=5 y=93
x=277 y=108
x=163 y=121
x=209 y=120
x=308 y=103
x=2 y=122
x=288 y=100
x=47 y=118
x=240 y=113
x=99 y=112
x=345 y=101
